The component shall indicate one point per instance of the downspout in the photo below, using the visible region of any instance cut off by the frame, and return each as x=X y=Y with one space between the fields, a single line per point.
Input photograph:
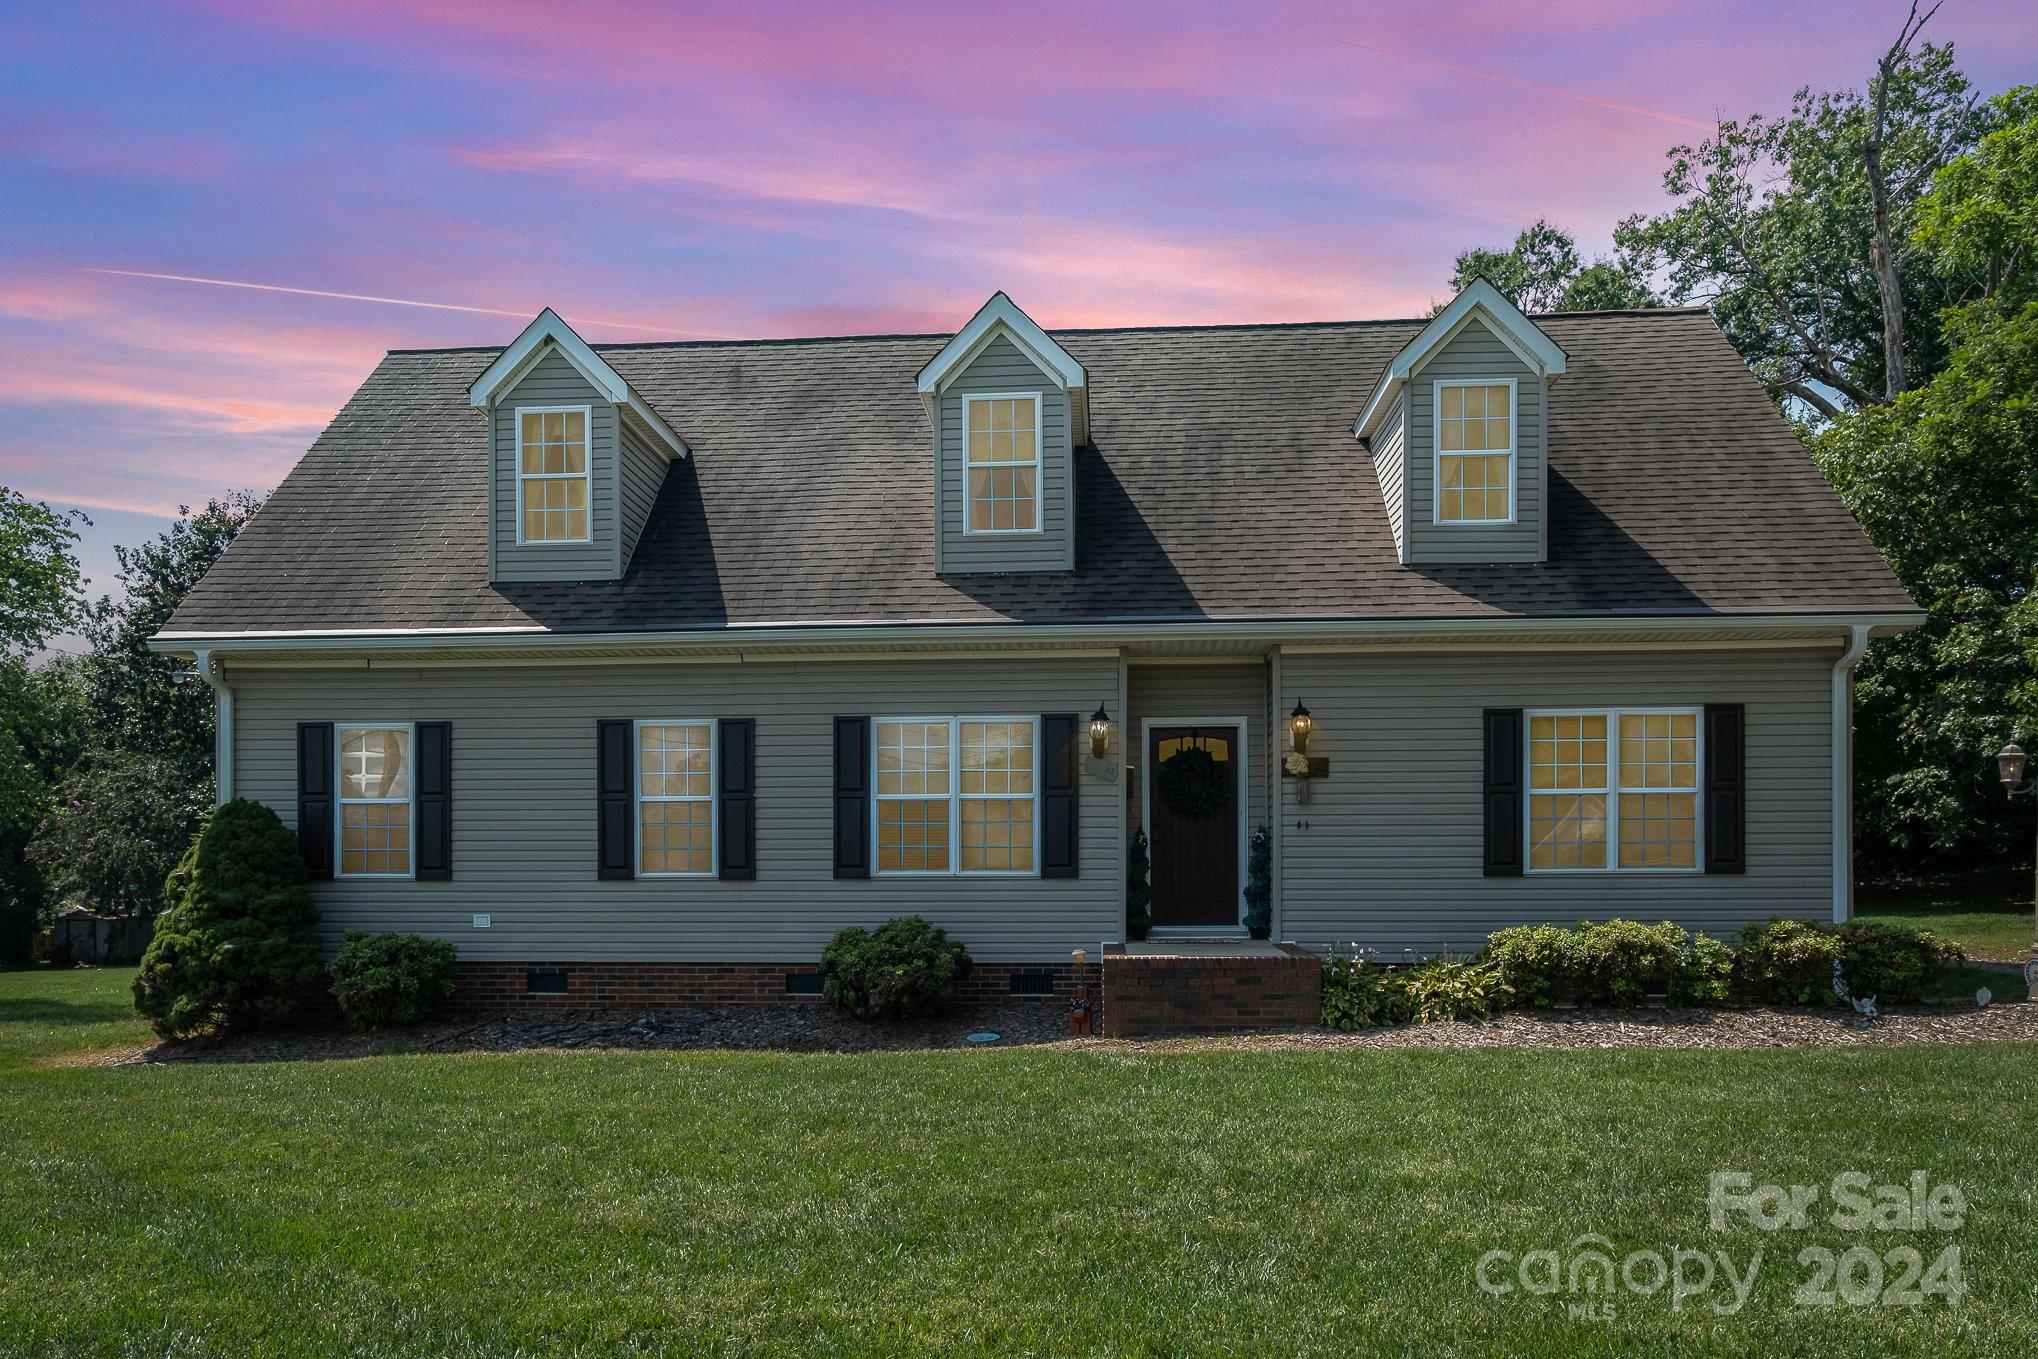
x=210 y=670
x=1843 y=774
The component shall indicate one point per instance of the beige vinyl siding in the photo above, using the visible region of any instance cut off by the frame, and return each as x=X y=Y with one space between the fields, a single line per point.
x=524 y=807
x=1001 y=367
x=1162 y=692
x=642 y=472
x=1390 y=465
x=1392 y=856
x=1475 y=353
x=556 y=382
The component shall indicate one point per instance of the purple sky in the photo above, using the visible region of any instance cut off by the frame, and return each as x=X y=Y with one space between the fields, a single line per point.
x=741 y=170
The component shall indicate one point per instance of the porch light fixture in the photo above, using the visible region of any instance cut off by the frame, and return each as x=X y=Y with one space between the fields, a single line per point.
x=2010 y=762
x=1100 y=732
x=1300 y=724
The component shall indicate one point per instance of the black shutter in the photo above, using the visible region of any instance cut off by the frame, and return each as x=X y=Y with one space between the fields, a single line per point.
x=1726 y=788
x=852 y=797
x=615 y=810
x=315 y=797
x=737 y=767
x=435 y=801
x=1504 y=756
x=1058 y=794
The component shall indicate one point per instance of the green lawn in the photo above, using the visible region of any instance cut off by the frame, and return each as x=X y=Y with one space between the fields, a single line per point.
x=997 y=1202
x=1990 y=917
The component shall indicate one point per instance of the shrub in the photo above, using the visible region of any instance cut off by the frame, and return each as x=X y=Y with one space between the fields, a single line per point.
x=1540 y=963
x=1259 y=884
x=1622 y=962
x=1705 y=972
x=1786 y=962
x=1360 y=994
x=1891 y=962
x=900 y=970
x=237 y=946
x=114 y=831
x=1445 y=990
x=1138 y=888
x=386 y=980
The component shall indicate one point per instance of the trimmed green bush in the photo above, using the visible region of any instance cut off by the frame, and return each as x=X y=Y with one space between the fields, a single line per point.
x=1541 y=964
x=1259 y=884
x=1892 y=963
x=1705 y=972
x=1623 y=962
x=1360 y=994
x=1443 y=990
x=387 y=980
x=900 y=970
x=1785 y=962
x=238 y=946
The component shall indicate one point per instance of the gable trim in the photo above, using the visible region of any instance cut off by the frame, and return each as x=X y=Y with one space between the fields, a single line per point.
x=1480 y=301
x=1001 y=316
x=547 y=334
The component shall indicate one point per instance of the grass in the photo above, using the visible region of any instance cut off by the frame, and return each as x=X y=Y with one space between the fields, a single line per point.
x=1989 y=916
x=993 y=1202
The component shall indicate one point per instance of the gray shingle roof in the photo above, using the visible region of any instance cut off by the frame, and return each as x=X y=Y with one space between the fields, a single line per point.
x=1224 y=483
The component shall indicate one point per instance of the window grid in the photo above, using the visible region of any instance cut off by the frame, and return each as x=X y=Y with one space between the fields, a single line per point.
x=955 y=796
x=374 y=802
x=553 y=481
x=1002 y=438
x=1620 y=783
x=676 y=798
x=1475 y=452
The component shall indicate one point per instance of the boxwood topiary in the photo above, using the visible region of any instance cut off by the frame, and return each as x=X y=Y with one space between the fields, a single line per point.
x=900 y=970
x=386 y=980
x=238 y=945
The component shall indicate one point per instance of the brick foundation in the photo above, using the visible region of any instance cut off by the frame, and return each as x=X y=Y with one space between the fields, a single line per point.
x=1147 y=994
x=505 y=986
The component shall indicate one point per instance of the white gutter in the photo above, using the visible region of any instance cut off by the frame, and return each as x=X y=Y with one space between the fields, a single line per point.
x=1843 y=775
x=210 y=670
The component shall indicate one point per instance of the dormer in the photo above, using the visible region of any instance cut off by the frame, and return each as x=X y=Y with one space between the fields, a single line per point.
x=1458 y=428
x=576 y=458
x=1009 y=407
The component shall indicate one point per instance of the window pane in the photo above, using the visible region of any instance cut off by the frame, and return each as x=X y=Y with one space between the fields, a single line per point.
x=1658 y=830
x=1567 y=830
x=1496 y=404
x=912 y=759
x=375 y=837
x=676 y=761
x=1659 y=750
x=997 y=835
x=979 y=414
x=678 y=837
x=997 y=757
x=912 y=835
x=1568 y=751
x=373 y=762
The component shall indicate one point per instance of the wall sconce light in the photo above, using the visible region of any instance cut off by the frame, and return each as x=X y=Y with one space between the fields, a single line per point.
x=2010 y=762
x=1300 y=724
x=1100 y=732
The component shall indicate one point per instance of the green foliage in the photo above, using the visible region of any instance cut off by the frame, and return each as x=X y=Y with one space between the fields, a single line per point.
x=1542 y=272
x=1705 y=972
x=1541 y=964
x=1444 y=990
x=1138 y=887
x=1773 y=225
x=1785 y=962
x=238 y=945
x=42 y=590
x=1259 y=884
x=1360 y=994
x=143 y=701
x=387 y=980
x=900 y=970
x=117 y=826
x=1622 y=962
x=41 y=732
x=1891 y=963
x=1980 y=219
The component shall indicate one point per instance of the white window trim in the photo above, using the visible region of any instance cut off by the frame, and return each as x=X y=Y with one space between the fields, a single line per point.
x=1039 y=481
x=585 y=476
x=341 y=801
x=955 y=797
x=1437 y=455
x=1613 y=788
x=714 y=798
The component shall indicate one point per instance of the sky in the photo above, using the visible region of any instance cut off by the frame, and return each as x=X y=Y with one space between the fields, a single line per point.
x=354 y=176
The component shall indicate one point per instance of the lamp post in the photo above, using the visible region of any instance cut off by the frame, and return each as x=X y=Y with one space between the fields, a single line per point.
x=2010 y=765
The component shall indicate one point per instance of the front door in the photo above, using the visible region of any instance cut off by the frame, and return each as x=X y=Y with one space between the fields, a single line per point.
x=1192 y=818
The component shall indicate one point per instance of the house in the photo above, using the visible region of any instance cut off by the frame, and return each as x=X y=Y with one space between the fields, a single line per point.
x=639 y=670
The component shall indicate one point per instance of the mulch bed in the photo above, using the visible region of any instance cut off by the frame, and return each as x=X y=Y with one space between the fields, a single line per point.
x=814 y=1028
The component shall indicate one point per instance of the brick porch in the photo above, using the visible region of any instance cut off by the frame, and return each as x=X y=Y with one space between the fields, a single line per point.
x=1157 y=987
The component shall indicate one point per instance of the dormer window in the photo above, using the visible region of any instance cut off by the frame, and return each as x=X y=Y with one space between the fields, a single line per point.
x=1003 y=463
x=1475 y=452
x=552 y=474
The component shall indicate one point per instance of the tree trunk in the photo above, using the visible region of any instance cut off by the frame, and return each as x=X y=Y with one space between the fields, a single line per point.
x=1882 y=258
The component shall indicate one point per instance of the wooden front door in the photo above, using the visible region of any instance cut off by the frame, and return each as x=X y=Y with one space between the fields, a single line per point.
x=1193 y=822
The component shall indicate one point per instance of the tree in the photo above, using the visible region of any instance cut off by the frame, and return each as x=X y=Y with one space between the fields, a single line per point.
x=42 y=732
x=142 y=701
x=1543 y=272
x=44 y=590
x=115 y=829
x=1981 y=217
x=1788 y=228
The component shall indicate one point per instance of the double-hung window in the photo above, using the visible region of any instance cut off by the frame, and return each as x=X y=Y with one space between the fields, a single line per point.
x=1475 y=452
x=375 y=807
x=1003 y=463
x=956 y=795
x=1613 y=790
x=553 y=484
x=676 y=798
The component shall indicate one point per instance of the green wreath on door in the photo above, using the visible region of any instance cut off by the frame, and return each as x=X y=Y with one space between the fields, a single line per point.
x=1193 y=784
